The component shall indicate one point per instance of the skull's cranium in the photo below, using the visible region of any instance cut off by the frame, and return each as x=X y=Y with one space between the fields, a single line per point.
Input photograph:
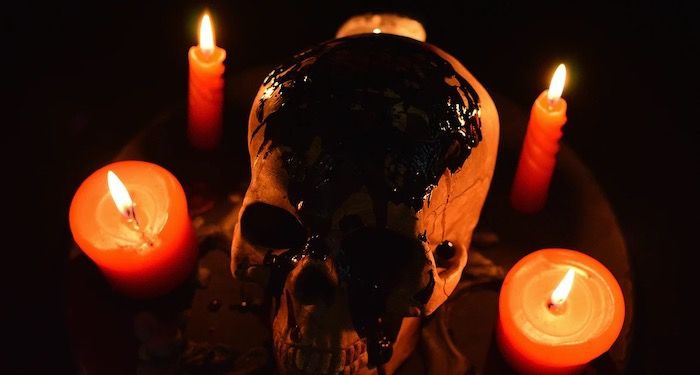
x=371 y=157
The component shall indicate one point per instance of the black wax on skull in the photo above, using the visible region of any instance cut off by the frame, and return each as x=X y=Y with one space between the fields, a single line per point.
x=382 y=113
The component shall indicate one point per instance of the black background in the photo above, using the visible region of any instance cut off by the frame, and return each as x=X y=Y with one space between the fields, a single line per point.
x=631 y=95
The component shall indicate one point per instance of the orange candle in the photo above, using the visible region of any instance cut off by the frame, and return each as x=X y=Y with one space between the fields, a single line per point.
x=131 y=219
x=206 y=83
x=558 y=310
x=540 y=147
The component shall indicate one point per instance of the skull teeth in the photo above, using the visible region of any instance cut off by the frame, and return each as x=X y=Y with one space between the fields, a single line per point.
x=312 y=360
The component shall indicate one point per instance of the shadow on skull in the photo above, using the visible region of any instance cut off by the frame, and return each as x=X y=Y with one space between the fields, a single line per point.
x=371 y=157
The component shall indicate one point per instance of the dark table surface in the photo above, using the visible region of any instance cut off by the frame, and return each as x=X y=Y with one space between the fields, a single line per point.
x=631 y=104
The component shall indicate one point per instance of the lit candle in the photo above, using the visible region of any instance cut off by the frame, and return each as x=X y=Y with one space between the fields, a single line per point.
x=131 y=219
x=206 y=83
x=378 y=23
x=540 y=147
x=558 y=310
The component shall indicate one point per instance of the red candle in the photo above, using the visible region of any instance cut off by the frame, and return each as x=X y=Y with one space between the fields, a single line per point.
x=540 y=147
x=558 y=310
x=138 y=231
x=206 y=83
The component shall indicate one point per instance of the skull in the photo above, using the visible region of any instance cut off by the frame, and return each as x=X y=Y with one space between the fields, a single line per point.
x=371 y=157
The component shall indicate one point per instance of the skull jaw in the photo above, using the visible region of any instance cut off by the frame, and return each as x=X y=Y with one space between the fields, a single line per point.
x=319 y=335
x=292 y=359
x=289 y=361
x=316 y=339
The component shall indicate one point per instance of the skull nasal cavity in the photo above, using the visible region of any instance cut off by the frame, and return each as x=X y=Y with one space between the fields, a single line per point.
x=270 y=226
x=314 y=286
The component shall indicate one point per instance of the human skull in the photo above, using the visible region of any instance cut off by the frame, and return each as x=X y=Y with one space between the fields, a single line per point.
x=371 y=157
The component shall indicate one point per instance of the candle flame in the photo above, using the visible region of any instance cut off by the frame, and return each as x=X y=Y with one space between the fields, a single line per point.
x=556 y=86
x=561 y=292
x=377 y=30
x=120 y=195
x=206 y=35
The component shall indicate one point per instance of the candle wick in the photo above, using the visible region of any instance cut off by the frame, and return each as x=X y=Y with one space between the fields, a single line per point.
x=554 y=307
x=131 y=218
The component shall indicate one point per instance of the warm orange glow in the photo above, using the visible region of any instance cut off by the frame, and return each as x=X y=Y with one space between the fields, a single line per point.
x=120 y=195
x=562 y=290
x=206 y=35
x=556 y=86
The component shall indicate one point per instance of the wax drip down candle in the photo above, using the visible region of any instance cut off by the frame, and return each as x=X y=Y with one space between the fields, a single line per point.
x=206 y=83
x=540 y=147
x=131 y=219
x=558 y=310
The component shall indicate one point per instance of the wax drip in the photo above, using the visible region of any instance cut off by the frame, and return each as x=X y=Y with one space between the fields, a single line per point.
x=280 y=265
x=395 y=131
x=379 y=345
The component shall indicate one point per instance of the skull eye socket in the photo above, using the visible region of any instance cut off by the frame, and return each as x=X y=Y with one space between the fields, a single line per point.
x=444 y=252
x=265 y=225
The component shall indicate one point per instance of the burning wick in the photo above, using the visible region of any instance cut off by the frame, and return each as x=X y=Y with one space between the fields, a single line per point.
x=125 y=205
x=556 y=85
x=561 y=292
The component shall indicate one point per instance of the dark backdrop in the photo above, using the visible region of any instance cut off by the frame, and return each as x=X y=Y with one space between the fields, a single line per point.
x=631 y=95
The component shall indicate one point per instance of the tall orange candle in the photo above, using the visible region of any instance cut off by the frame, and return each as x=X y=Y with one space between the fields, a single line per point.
x=540 y=147
x=131 y=219
x=206 y=83
x=558 y=310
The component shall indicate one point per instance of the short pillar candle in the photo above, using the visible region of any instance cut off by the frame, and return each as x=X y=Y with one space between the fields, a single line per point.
x=131 y=219
x=558 y=310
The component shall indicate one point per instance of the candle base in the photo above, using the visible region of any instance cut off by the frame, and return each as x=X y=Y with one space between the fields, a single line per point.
x=152 y=283
x=526 y=366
